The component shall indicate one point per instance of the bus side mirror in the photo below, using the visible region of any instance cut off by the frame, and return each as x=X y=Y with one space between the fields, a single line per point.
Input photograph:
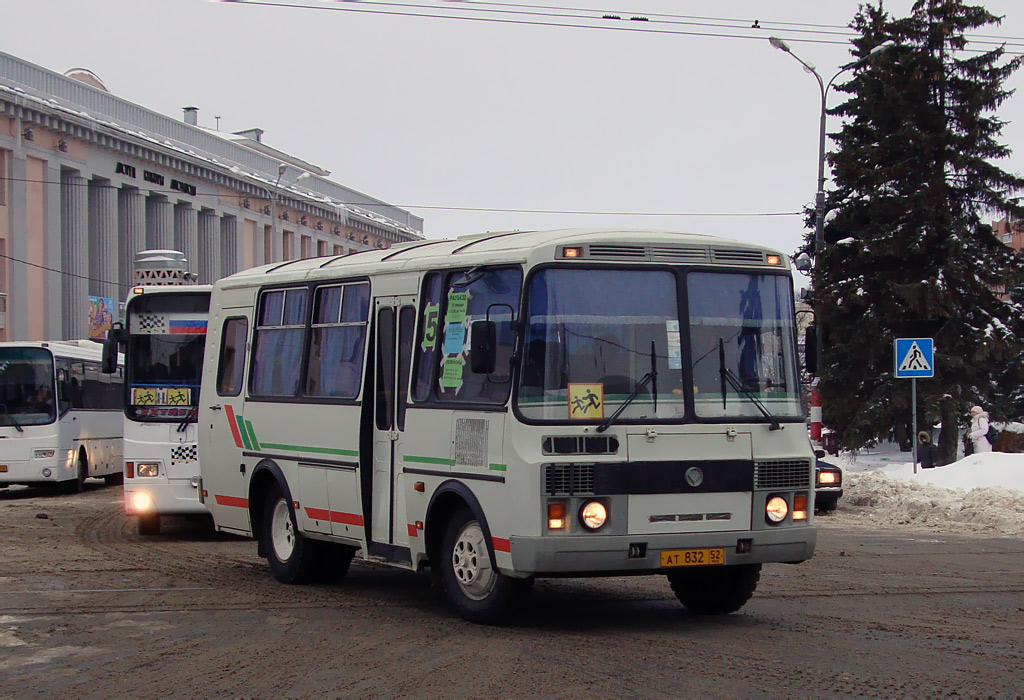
x=110 y=347
x=483 y=347
x=811 y=350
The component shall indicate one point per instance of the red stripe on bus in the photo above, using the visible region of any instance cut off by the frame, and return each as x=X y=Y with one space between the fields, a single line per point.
x=234 y=501
x=501 y=545
x=318 y=513
x=346 y=518
x=233 y=424
x=413 y=532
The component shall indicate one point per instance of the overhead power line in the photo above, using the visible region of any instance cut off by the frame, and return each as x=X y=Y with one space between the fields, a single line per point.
x=597 y=19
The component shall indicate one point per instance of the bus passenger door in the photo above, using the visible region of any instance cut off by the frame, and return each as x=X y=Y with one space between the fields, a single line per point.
x=395 y=321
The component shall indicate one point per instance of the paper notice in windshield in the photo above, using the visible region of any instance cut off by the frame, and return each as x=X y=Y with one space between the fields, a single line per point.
x=161 y=396
x=458 y=302
x=586 y=401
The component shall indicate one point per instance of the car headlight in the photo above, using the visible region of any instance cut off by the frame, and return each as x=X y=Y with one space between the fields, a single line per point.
x=593 y=515
x=147 y=469
x=43 y=454
x=827 y=478
x=776 y=509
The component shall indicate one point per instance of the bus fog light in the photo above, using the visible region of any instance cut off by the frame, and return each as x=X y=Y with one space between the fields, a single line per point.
x=43 y=454
x=194 y=482
x=777 y=509
x=556 y=516
x=141 y=500
x=47 y=473
x=147 y=468
x=593 y=515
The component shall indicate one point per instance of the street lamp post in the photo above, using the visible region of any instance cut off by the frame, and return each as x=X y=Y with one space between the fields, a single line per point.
x=281 y=168
x=819 y=211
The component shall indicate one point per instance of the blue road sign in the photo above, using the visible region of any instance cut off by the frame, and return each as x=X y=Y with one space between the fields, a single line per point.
x=915 y=358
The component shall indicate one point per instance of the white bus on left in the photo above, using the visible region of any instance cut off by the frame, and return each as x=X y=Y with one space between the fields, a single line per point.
x=60 y=416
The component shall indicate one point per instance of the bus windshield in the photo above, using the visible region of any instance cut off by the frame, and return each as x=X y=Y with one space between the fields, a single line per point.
x=26 y=387
x=167 y=339
x=592 y=336
x=742 y=345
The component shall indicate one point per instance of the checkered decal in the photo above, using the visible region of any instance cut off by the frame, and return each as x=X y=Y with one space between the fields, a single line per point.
x=184 y=453
x=149 y=323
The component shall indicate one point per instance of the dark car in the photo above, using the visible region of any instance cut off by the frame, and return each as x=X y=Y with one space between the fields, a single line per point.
x=828 y=484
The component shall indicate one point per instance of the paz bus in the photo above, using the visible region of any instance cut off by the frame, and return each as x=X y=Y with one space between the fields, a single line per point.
x=508 y=406
x=60 y=416
x=163 y=339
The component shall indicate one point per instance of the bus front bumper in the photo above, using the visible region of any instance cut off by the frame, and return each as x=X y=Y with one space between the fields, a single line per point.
x=615 y=554
x=35 y=470
x=178 y=497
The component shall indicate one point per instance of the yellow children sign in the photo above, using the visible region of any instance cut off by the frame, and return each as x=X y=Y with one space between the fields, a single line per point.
x=586 y=401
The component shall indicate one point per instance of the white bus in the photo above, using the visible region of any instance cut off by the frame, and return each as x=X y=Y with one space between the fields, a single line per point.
x=60 y=416
x=164 y=339
x=509 y=406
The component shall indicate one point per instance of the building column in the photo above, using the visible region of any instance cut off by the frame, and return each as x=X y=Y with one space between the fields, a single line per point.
x=209 y=247
x=74 y=216
x=131 y=223
x=53 y=288
x=229 y=248
x=159 y=223
x=186 y=239
x=104 y=266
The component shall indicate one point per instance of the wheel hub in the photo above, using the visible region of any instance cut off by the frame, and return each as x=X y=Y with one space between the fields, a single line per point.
x=282 y=534
x=472 y=563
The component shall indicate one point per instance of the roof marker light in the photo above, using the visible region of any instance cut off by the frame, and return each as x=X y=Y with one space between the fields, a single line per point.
x=773 y=259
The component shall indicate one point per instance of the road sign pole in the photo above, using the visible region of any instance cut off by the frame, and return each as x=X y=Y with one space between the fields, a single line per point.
x=913 y=424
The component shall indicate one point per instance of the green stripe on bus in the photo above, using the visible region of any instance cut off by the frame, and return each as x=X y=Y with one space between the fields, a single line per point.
x=314 y=450
x=252 y=435
x=244 y=433
x=497 y=467
x=430 y=460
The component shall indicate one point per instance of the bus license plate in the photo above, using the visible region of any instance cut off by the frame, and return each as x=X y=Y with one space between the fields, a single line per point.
x=693 y=557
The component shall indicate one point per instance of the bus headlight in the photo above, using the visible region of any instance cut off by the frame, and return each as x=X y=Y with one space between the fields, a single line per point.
x=147 y=468
x=593 y=515
x=43 y=454
x=777 y=509
x=141 y=501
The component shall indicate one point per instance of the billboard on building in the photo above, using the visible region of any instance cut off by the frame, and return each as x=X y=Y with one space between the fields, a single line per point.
x=101 y=316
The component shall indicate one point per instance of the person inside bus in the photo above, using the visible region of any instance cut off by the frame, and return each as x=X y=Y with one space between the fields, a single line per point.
x=42 y=400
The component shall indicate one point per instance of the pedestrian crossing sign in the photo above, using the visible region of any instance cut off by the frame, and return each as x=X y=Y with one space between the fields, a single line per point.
x=915 y=358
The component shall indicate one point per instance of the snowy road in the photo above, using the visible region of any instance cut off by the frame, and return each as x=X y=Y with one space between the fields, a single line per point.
x=89 y=609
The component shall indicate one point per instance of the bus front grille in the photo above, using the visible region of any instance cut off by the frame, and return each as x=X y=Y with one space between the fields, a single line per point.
x=568 y=479
x=782 y=474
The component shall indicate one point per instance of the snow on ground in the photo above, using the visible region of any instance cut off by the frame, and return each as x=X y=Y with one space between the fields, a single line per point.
x=982 y=493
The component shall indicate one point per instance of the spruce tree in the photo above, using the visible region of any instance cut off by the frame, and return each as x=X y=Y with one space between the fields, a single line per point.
x=908 y=252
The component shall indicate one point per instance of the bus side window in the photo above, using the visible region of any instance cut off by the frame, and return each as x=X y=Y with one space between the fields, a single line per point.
x=277 y=342
x=232 y=356
x=340 y=316
x=427 y=345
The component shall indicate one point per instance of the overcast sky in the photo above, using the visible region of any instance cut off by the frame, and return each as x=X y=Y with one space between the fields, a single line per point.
x=430 y=112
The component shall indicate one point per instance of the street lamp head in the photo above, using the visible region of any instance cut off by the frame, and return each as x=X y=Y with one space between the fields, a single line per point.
x=778 y=43
x=281 y=167
x=803 y=263
x=884 y=46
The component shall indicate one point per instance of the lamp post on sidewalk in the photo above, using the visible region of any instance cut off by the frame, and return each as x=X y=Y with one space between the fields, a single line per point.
x=273 y=194
x=819 y=212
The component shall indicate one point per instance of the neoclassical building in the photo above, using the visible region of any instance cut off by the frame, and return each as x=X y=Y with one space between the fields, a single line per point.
x=88 y=179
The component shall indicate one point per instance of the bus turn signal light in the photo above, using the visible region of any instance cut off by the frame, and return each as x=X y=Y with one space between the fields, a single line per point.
x=800 y=507
x=556 y=516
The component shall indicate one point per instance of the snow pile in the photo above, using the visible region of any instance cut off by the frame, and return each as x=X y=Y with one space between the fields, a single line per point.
x=980 y=493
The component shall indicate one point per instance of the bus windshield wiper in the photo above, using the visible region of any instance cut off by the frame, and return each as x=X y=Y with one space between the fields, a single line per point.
x=648 y=378
x=733 y=381
x=14 y=421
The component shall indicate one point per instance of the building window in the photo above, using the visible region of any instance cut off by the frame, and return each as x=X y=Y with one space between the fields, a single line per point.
x=3 y=177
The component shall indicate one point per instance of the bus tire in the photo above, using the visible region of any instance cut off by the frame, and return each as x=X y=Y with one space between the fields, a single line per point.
x=77 y=485
x=334 y=560
x=292 y=558
x=475 y=588
x=114 y=479
x=149 y=524
x=715 y=590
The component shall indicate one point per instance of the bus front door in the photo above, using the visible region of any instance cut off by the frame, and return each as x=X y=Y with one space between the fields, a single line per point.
x=395 y=321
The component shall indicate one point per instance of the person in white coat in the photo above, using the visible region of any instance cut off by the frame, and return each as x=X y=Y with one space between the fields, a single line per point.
x=979 y=426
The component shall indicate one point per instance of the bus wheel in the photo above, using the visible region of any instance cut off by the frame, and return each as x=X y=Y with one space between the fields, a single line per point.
x=77 y=484
x=149 y=524
x=715 y=590
x=113 y=479
x=477 y=590
x=291 y=556
x=334 y=560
